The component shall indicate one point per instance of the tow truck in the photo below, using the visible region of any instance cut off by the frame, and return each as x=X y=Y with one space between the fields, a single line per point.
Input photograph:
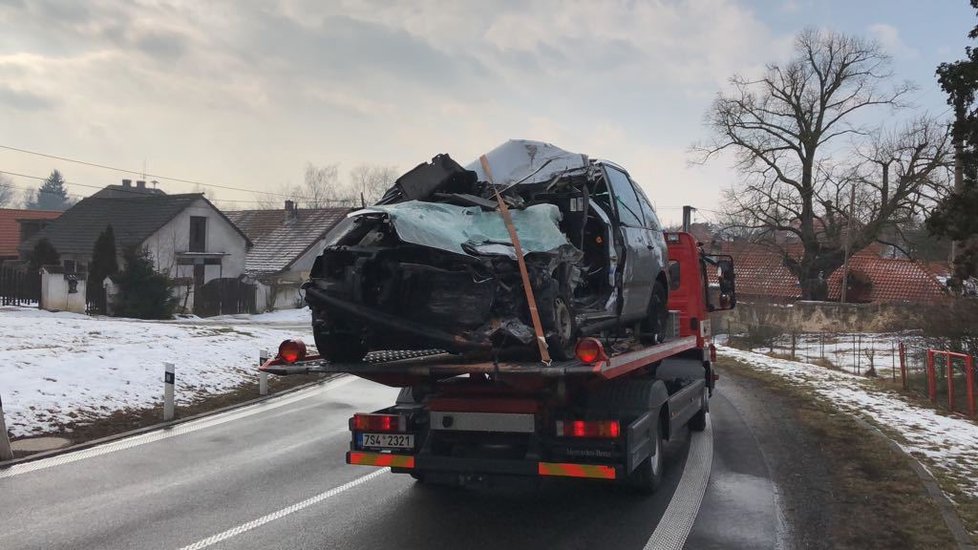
x=604 y=414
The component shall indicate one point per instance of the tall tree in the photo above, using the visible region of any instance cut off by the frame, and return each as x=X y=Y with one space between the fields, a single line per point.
x=6 y=191
x=51 y=195
x=144 y=293
x=43 y=254
x=955 y=217
x=104 y=260
x=797 y=137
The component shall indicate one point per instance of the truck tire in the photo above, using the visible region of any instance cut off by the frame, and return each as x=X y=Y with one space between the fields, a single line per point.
x=338 y=347
x=654 y=325
x=647 y=477
x=698 y=422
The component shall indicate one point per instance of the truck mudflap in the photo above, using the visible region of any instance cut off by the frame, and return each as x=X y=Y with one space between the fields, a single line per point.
x=472 y=466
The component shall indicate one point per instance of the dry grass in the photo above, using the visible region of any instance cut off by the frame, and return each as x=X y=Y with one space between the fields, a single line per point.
x=882 y=502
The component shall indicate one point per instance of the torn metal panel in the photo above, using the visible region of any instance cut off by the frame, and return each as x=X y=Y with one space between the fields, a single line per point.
x=527 y=162
x=472 y=230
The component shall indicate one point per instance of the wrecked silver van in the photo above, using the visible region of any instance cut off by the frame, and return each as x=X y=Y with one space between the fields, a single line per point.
x=431 y=265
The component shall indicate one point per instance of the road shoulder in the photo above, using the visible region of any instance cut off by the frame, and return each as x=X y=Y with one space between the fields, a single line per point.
x=842 y=485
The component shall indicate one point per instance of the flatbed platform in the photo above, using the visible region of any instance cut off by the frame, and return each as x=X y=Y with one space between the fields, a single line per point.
x=439 y=364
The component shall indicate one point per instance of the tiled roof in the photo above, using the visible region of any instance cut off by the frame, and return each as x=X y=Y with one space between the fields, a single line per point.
x=279 y=240
x=10 y=229
x=133 y=220
x=123 y=192
x=893 y=280
x=761 y=273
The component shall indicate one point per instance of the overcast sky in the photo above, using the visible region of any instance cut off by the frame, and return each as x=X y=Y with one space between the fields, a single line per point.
x=244 y=94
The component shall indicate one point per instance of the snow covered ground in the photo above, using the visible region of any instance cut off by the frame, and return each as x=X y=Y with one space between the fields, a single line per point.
x=55 y=367
x=948 y=444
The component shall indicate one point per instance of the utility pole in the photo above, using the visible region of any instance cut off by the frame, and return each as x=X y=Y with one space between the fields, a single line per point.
x=958 y=185
x=845 y=261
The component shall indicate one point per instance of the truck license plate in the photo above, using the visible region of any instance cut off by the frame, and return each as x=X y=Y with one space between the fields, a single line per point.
x=386 y=441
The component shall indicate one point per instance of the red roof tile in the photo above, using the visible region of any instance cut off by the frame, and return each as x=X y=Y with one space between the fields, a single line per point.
x=10 y=229
x=761 y=272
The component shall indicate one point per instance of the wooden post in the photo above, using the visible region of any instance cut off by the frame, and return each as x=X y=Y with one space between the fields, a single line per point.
x=903 y=366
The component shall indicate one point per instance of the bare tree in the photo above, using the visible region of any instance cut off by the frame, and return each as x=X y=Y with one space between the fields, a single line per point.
x=7 y=193
x=369 y=183
x=795 y=133
x=321 y=187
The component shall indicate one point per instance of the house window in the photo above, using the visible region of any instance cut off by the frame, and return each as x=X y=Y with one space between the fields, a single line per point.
x=198 y=233
x=69 y=266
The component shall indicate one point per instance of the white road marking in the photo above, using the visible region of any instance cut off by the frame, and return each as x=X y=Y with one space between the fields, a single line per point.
x=677 y=521
x=245 y=527
x=180 y=429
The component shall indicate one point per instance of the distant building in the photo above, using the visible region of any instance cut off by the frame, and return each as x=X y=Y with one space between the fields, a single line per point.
x=16 y=226
x=286 y=243
x=186 y=236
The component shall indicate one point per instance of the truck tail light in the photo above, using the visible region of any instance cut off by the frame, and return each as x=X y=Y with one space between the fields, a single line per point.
x=591 y=429
x=376 y=423
x=292 y=350
x=590 y=351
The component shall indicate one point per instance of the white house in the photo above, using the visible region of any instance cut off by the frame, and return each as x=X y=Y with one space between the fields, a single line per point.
x=186 y=236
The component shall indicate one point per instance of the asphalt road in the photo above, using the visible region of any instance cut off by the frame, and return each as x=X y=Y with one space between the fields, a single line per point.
x=273 y=476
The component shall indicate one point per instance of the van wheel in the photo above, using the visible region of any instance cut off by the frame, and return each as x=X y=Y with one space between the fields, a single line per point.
x=657 y=317
x=563 y=330
x=647 y=477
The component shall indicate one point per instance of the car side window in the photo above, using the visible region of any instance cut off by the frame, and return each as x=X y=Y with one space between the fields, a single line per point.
x=629 y=209
x=651 y=220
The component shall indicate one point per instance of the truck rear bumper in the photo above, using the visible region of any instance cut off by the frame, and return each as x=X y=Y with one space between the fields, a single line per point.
x=484 y=466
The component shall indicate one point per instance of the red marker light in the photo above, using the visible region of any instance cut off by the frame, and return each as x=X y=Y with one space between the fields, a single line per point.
x=292 y=350
x=592 y=429
x=375 y=423
x=590 y=351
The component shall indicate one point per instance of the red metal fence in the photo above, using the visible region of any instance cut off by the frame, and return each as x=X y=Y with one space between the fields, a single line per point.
x=947 y=377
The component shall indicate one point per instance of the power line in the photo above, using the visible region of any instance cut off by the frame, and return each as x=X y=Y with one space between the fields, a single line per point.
x=140 y=173
x=143 y=193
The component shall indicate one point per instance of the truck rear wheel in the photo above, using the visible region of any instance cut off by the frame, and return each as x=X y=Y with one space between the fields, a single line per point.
x=698 y=422
x=647 y=477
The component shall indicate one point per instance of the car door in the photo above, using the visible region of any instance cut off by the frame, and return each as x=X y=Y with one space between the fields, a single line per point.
x=637 y=273
x=658 y=239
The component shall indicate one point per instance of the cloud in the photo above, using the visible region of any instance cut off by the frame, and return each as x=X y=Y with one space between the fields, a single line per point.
x=888 y=37
x=24 y=100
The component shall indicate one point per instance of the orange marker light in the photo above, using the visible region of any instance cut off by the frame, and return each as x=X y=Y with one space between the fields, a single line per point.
x=292 y=350
x=590 y=351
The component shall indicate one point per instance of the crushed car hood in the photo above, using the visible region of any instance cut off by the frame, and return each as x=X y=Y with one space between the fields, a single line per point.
x=471 y=230
x=527 y=162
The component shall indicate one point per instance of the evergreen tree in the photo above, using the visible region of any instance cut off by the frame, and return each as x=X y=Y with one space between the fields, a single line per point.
x=143 y=292
x=52 y=195
x=43 y=254
x=104 y=262
x=955 y=217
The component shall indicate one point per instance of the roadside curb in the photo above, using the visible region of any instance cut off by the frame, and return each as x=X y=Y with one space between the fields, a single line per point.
x=961 y=535
x=161 y=426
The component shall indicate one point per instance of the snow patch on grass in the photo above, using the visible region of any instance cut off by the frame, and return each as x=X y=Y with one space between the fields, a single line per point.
x=57 y=367
x=947 y=443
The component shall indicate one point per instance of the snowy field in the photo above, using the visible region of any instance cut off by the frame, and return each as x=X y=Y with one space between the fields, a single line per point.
x=57 y=367
x=945 y=443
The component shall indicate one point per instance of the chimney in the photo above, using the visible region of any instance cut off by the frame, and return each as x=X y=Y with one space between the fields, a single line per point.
x=291 y=212
x=127 y=183
x=140 y=184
